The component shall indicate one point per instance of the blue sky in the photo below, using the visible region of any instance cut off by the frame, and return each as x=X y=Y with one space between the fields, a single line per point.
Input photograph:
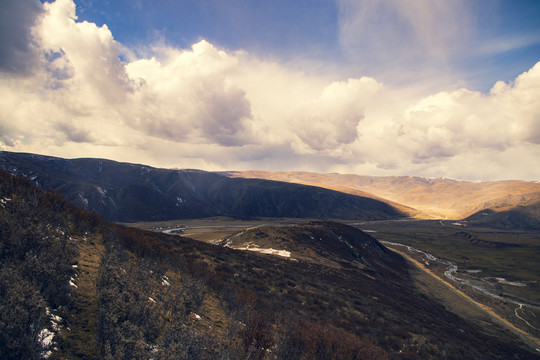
x=418 y=87
x=497 y=39
x=275 y=28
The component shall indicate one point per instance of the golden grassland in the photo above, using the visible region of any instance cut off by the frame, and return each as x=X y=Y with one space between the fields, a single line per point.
x=418 y=197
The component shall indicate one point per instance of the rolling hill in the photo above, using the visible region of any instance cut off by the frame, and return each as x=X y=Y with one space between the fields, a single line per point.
x=420 y=197
x=326 y=243
x=518 y=217
x=130 y=192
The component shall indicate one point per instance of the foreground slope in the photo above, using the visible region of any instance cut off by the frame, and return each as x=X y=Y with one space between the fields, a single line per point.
x=89 y=289
x=130 y=192
x=422 y=197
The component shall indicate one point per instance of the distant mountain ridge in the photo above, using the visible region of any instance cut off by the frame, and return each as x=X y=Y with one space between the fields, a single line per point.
x=421 y=197
x=132 y=192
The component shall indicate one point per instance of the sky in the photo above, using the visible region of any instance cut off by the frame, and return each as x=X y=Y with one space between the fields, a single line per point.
x=431 y=88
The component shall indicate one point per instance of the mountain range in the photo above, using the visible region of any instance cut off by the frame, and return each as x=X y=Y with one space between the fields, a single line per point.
x=127 y=192
x=507 y=204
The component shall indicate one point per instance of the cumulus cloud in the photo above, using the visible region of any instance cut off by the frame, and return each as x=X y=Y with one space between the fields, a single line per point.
x=332 y=119
x=444 y=124
x=81 y=55
x=86 y=93
x=188 y=95
x=216 y=109
x=432 y=133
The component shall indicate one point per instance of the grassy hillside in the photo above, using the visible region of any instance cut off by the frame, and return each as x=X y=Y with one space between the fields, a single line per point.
x=106 y=291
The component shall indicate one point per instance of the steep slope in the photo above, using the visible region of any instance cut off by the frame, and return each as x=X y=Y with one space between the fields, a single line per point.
x=121 y=293
x=129 y=192
x=431 y=198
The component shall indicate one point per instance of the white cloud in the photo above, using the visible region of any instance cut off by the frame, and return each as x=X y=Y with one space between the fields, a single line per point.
x=463 y=119
x=187 y=95
x=430 y=135
x=210 y=108
x=87 y=54
x=331 y=120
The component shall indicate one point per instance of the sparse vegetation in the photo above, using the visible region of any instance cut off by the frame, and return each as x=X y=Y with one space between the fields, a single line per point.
x=36 y=257
x=152 y=295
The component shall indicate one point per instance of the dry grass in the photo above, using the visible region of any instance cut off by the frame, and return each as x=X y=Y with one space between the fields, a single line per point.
x=418 y=197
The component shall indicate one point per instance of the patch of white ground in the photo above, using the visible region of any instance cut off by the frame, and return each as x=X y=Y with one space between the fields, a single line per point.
x=270 y=251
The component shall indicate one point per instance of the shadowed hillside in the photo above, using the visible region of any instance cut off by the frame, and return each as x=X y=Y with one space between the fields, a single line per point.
x=519 y=217
x=129 y=192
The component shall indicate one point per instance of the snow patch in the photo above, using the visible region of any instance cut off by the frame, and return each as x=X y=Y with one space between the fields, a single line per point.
x=72 y=283
x=152 y=300
x=270 y=251
x=84 y=200
x=55 y=320
x=101 y=191
x=45 y=337
x=4 y=201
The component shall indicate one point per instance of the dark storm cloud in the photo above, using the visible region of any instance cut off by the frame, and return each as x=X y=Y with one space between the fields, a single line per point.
x=17 y=54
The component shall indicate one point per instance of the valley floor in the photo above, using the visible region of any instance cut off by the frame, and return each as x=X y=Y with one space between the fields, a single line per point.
x=528 y=338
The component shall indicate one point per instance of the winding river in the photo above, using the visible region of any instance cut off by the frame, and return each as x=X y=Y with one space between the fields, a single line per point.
x=476 y=284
